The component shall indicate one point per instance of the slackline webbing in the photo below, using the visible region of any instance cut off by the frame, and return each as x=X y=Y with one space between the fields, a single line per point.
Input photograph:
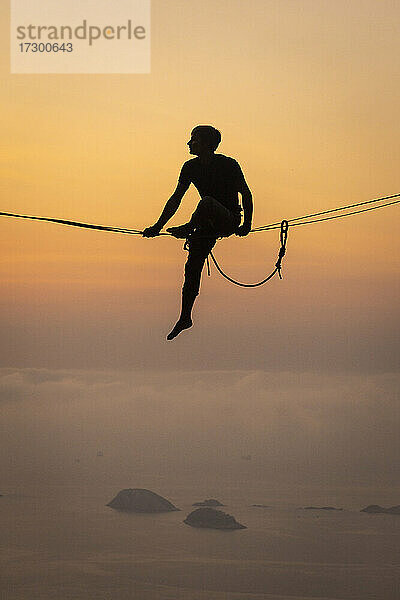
x=283 y=226
x=254 y=230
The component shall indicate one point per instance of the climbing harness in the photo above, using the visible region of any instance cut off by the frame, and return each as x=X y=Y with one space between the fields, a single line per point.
x=283 y=226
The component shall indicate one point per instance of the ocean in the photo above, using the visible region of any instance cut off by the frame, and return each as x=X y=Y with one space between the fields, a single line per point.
x=62 y=542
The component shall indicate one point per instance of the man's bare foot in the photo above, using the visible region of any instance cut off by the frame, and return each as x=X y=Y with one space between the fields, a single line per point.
x=179 y=326
x=182 y=231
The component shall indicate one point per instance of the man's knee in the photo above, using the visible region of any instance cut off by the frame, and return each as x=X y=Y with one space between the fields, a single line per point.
x=207 y=201
x=207 y=205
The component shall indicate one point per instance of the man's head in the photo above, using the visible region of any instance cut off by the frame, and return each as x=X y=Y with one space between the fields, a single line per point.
x=204 y=139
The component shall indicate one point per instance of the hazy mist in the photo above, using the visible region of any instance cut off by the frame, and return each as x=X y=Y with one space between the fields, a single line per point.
x=197 y=426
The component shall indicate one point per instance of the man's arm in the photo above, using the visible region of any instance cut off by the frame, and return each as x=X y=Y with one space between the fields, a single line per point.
x=247 y=201
x=169 y=210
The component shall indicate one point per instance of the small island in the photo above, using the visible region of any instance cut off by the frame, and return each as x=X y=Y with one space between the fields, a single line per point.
x=376 y=509
x=210 y=502
x=321 y=508
x=210 y=518
x=261 y=505
x=140 y=500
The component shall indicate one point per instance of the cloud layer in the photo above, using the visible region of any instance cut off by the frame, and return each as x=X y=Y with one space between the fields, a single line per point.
x=304 y=428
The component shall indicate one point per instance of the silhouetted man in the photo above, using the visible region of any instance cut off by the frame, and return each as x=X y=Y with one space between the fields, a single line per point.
x=218 y=180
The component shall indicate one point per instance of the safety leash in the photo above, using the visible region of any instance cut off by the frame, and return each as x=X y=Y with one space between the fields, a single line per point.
x=278 y=265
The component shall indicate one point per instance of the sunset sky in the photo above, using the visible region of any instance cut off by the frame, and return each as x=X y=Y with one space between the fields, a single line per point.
x=306 y=95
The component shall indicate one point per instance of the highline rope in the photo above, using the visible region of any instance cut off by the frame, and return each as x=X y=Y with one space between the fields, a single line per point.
x=283 y=226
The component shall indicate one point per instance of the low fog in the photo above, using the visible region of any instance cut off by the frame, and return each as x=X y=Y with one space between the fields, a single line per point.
x=204 y=426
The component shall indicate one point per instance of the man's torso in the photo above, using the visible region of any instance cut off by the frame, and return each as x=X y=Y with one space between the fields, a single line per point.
x=221 y=178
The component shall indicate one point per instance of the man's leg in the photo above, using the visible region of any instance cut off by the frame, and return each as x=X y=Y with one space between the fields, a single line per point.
x=209 y=215
x=200 y=218
x=210 y=220
x=199 y=249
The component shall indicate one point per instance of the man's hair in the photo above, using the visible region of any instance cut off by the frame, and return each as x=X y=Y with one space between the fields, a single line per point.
x=209 y=135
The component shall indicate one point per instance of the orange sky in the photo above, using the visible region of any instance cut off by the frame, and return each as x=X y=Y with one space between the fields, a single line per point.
x=306 y=95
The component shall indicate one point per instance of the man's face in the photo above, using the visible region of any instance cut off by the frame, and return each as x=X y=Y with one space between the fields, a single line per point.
x=195 y=144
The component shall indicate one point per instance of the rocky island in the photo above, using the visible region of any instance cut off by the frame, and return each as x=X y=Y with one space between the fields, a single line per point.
x=212 y=519
x=139 y=500
x=321 y=508
x=376 y=509
x=210 y=502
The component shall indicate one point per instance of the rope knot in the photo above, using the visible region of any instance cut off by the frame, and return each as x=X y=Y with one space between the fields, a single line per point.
x=282 y=250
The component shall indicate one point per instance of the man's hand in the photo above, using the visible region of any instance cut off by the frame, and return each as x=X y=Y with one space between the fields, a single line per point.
x=152 y=231
x=243 y=229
